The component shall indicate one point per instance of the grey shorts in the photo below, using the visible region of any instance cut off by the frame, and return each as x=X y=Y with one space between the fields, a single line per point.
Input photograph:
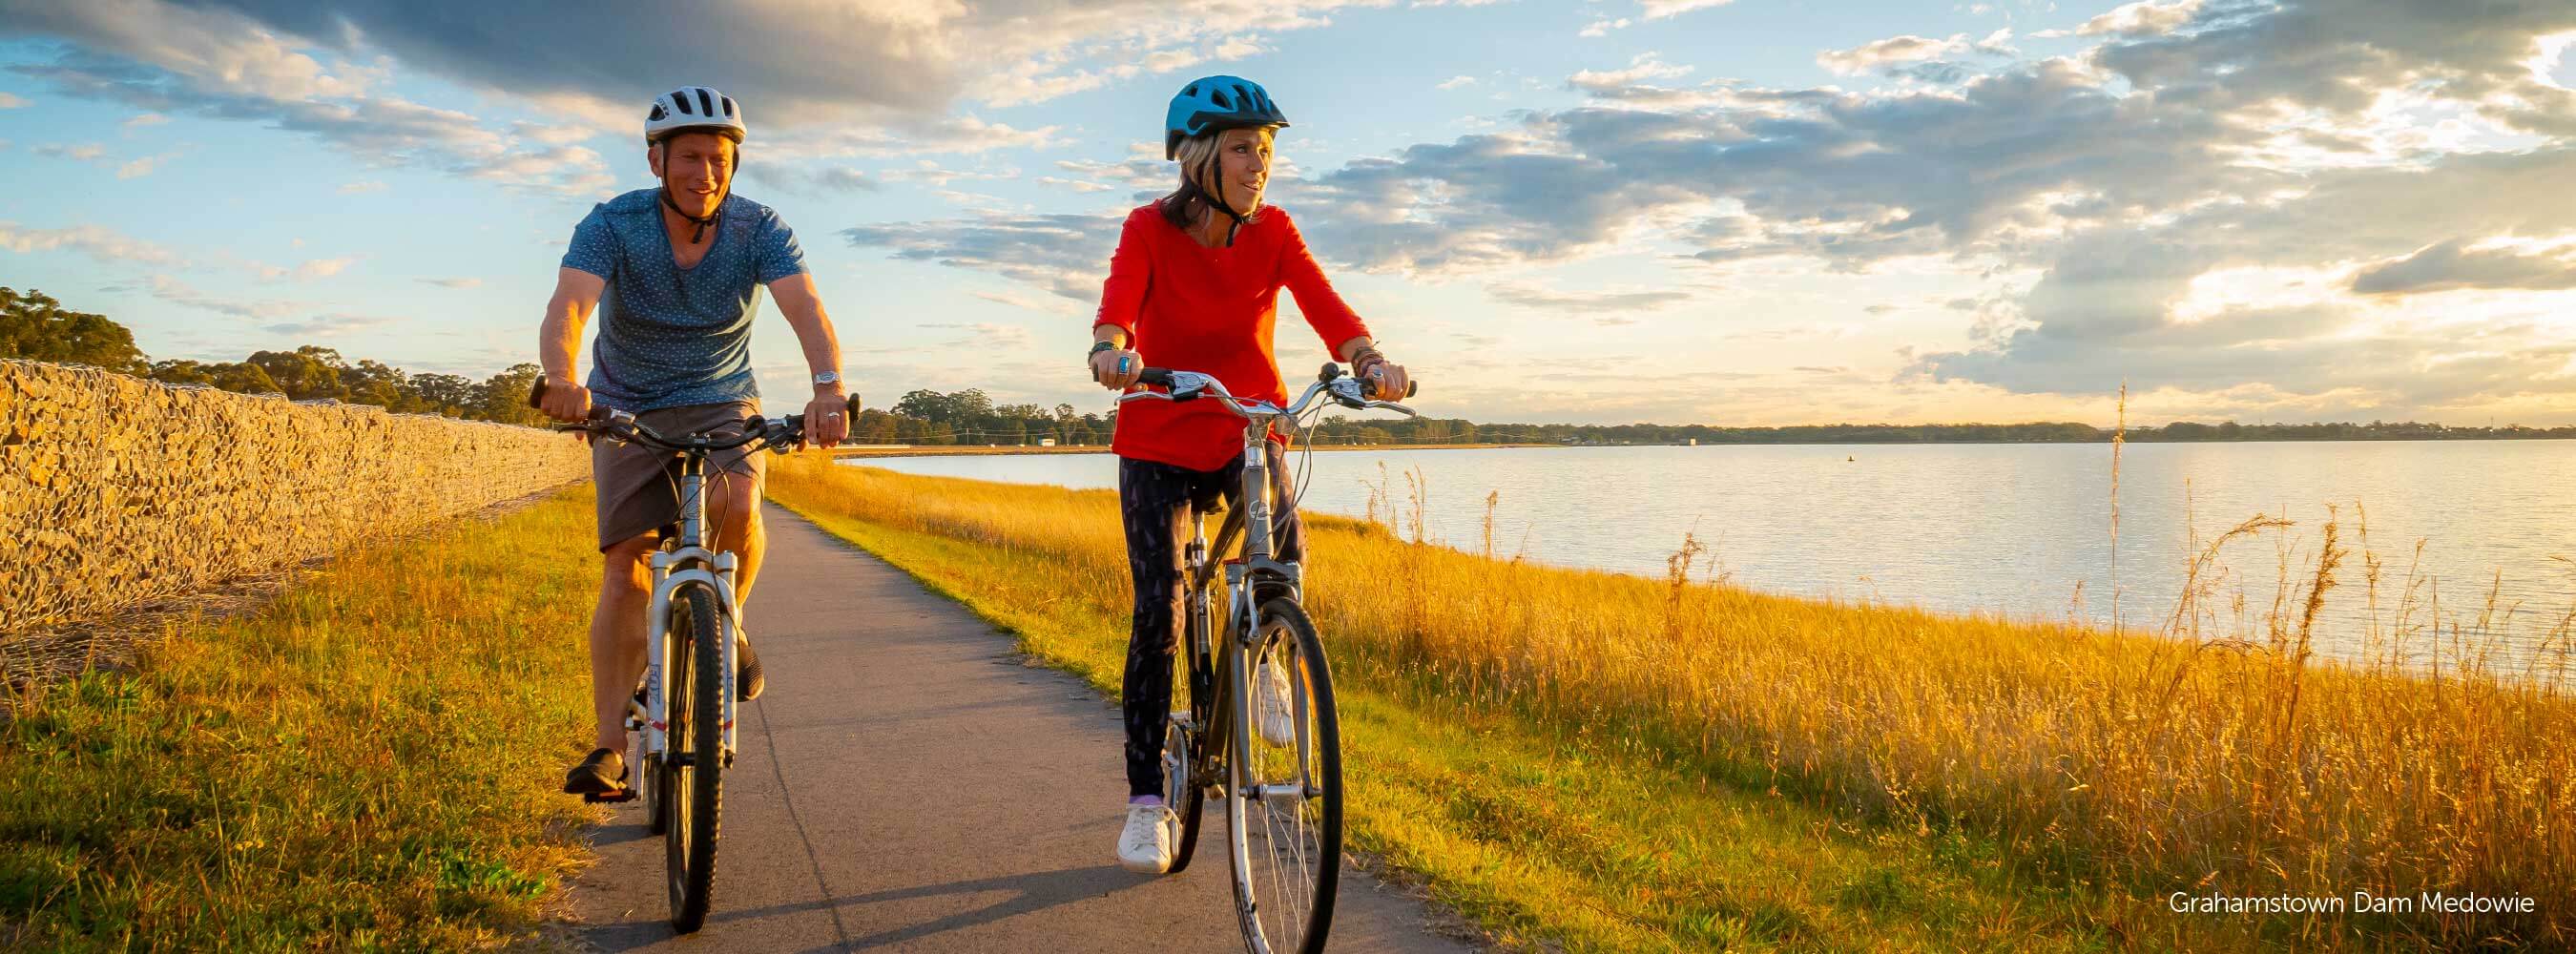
x=639 y=487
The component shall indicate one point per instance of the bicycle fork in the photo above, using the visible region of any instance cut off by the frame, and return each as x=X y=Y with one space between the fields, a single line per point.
x=656 y=715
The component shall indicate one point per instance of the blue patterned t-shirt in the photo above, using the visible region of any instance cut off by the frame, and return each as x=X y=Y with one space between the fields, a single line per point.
x=670 y=336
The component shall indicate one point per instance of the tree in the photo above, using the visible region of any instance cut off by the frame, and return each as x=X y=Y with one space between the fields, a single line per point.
x=447 y=394
x=504 y=397
x=37 y=328
x=305 y=373
x=373 y=382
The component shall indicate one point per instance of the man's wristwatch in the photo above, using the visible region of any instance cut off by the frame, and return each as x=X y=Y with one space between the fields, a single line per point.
x=827 y=378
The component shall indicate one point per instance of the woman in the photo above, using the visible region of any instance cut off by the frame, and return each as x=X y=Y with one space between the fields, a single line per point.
x=1194 y=286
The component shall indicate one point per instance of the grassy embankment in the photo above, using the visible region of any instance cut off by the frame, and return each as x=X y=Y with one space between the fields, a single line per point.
x=1618 y=763
x=365 y=763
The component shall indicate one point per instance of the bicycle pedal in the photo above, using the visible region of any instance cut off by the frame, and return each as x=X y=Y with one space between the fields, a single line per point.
x=609 y=798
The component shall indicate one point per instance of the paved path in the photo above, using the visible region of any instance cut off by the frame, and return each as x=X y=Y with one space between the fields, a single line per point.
x=906 y=784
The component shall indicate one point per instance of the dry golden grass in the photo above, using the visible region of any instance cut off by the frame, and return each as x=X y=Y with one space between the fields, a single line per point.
x=2223 y=760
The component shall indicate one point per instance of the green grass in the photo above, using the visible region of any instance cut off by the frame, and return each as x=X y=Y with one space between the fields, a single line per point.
x=366 y=763
x=1550 y=839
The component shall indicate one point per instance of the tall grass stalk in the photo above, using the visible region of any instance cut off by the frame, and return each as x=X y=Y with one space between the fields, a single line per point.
x=2219 y=758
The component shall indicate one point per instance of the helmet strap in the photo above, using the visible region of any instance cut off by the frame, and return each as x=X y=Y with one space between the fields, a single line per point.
x=1216 y=174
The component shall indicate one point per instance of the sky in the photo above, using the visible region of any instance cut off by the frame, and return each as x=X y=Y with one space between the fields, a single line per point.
x=1680 y=211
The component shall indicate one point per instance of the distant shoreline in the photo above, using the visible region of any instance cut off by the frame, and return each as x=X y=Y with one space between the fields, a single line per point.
x=951 y=450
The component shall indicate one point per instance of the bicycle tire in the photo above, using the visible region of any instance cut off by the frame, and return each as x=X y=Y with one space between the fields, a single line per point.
x=1282 y=618
x=1187 y=799
x=697 y=795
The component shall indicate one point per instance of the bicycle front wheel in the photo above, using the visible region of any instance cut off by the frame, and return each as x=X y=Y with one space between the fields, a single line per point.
x=694 y=768
x=1284 y=807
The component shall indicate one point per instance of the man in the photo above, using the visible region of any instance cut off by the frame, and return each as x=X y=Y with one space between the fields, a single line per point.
x=676 y=272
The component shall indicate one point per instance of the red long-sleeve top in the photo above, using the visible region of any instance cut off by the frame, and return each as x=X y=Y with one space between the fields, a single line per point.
x=1189 y=307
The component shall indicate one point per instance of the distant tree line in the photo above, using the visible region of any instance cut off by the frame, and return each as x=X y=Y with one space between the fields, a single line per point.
x=38 y=328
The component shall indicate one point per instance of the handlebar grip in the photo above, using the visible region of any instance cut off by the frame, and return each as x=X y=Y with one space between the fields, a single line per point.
x=1412 y=387
x=1159 y=377
x=537 y=393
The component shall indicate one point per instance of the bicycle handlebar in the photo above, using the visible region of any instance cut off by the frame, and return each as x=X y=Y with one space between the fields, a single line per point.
x=1356 y=393
x=779 y=432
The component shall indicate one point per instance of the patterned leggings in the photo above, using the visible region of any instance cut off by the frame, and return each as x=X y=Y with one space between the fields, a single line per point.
x=1154 y=502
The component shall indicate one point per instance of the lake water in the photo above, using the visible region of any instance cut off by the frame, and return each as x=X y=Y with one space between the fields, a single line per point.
x=2013 y=529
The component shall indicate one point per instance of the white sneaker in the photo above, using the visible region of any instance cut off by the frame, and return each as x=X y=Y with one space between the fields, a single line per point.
x=1278 y=711
x=1145 y=846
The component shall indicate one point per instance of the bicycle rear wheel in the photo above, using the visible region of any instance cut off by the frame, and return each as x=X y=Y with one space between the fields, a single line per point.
x=1284 y=808
x=694 y=769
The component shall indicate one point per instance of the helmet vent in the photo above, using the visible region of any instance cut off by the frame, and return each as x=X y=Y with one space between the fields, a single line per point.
x=680 y=98
x=728 y=105
x=706 y=104
x=1219 y=98
x=659 y=114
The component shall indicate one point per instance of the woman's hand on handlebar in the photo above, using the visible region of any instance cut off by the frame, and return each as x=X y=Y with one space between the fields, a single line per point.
x=1117 y=368
x=1387 y=380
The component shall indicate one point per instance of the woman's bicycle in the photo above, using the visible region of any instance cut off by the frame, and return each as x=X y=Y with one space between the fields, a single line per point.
x=1253 y=720
x=682 y=718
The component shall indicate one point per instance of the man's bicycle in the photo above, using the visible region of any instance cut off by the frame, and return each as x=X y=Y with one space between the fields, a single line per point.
x=682 y=718
x=1252 y=712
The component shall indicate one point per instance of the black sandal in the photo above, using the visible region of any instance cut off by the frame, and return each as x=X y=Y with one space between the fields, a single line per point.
x=592 y=777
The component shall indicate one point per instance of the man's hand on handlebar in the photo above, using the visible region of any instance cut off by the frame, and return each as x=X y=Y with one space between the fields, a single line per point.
x=563 y=400
x=827 y=417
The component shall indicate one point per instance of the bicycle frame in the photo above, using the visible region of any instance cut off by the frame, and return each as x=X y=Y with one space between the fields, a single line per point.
x=682 y=561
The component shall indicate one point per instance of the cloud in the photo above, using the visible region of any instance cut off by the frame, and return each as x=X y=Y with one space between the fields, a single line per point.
x=2146 y=18
x=98 y=242
x=1150 y=175
x=948 y=135
x=360 y=188
x=1896 y=49
x=811 y=181
x=84 y=152
x=2455 y=264
x=177 y=292
x=221 y=63
x=1659 y=9
x=788 y=61
x=1454 y=82
x=988 y=335
x=12 y=101
x=1545 y=299
x=1064 y=254
x=1077 y=185
x=330 y=325
x=140 y=120
x=453 y=282
x=138 y=168
x=1644 y=66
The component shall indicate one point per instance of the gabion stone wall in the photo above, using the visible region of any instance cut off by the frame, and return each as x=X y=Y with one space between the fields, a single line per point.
x=115 y=490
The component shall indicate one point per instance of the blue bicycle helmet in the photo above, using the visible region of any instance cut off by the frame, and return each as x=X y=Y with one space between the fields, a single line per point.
x=1216 y=103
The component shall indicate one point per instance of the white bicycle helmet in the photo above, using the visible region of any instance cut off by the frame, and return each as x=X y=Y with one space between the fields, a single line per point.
x=693 y=109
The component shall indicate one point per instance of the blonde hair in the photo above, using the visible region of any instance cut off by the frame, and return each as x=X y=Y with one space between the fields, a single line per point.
x=1198 y=159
